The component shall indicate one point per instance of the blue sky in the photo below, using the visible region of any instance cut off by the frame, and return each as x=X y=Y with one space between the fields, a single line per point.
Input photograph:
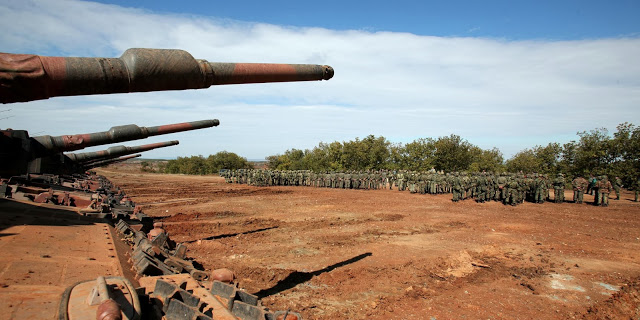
x=506 y=74
x=564 y=20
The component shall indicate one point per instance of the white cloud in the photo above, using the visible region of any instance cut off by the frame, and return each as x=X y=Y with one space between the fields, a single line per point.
x=492 y=92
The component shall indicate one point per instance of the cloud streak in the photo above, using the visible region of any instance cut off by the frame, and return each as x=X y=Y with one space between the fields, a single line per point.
x=492 y=92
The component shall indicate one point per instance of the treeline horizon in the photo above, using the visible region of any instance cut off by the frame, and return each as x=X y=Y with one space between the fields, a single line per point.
x=593 y=152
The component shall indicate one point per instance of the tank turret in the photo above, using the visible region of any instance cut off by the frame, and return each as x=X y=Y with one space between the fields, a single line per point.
x=27 y=77
x=117 y=151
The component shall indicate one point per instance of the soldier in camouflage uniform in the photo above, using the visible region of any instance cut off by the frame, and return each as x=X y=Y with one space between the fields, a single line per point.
x=400 y=181
x=501 y=182
x=558 y=187
x=226 y=174
x=617 y=185
x=579 y=186
x=458 y=191
x=491 y=186
x=448 y=183
x=347 y=180
x=593 y=186
x=604 y=188
x=412 y=182
x=482 y=188
x=532 y=182
x=512 y=191
x=541 y=189
x=596 y=190
x=440 y=183
x=466 y=184
x=522 y=187
x=421 y=184
x=472 y=185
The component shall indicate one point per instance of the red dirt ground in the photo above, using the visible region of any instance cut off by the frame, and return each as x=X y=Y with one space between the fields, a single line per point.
x=380 y=254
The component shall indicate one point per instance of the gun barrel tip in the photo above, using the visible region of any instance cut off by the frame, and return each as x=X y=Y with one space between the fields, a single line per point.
x=328 y=72
x=216 y=122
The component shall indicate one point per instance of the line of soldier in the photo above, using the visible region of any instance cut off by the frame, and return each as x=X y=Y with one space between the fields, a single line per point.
x=509 y=188
x=341 y=180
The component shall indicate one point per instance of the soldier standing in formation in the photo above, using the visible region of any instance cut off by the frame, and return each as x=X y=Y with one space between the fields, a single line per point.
x=592 y=184
x=541 y=189
x=510 y=188
x=400 y=180
x=617 y=185
x=482 y=188
x=604 y=188
x=512 y=192
x=594 y=190
x=458 y=190
x=502 y=186
x=558 y=187
x=579 y=186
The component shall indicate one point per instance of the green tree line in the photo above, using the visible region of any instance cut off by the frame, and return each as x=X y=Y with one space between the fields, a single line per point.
x=594 y=152
x=209 y=165
x=450 y=153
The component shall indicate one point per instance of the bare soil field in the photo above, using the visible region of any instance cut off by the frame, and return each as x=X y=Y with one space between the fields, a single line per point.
x=385 y=254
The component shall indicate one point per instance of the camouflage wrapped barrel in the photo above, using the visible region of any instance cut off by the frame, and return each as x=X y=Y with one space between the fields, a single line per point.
x=117 y=151
x=27 y=77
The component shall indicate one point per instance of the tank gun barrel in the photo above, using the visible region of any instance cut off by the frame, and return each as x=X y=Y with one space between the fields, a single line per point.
x=109 y=161
x=52 y=144
x=27 y=77
x=117 y=151
x=238 y=73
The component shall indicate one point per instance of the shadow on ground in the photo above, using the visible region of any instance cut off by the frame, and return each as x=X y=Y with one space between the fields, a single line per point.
x=296 y=277
x=16 y=213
